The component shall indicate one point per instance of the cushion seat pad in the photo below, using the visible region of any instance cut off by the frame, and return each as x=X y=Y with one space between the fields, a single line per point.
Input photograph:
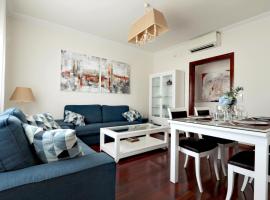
x=244 y=159
x=218 y=140
x=196 y=145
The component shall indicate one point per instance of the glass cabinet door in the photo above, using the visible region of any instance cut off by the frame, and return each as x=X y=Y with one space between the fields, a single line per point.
x=156 y=97
x=167 y=94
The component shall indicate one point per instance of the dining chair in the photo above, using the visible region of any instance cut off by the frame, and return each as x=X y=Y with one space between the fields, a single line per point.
x=223 y=144
x=241 y=163
x=196 y=148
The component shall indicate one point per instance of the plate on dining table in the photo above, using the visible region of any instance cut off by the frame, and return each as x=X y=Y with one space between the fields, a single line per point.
x=251 y=122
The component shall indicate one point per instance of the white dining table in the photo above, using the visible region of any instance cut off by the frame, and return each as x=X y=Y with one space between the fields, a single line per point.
x=258 y=136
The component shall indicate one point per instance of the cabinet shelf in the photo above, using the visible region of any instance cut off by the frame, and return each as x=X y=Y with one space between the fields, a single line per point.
x=164 y=96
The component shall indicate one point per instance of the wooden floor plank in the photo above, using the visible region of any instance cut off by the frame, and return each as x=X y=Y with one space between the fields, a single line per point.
x=146 y=177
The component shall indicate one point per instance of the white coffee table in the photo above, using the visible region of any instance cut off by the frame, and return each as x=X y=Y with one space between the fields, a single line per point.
x=121 y=148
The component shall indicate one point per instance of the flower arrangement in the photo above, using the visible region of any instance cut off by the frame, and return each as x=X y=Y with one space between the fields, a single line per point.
x=229 y=98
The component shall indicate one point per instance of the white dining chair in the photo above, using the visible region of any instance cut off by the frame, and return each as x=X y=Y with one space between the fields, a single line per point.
x=196 y=148
x=223 y=144
x=241 y=163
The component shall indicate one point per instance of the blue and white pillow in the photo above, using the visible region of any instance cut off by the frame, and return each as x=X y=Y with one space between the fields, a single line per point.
x=53 y=145
x=132 y=115
x=43 y=120
x=74 y=118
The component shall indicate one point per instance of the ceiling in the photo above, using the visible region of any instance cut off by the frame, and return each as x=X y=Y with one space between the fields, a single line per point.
x=112 y=19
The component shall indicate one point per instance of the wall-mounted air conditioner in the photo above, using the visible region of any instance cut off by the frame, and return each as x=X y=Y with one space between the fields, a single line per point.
x=204 y=42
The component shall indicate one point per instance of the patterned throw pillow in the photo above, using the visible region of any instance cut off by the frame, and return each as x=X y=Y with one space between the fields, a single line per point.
x=53 y=145
x=74 y=118
x=132 y=115
x=44 y=120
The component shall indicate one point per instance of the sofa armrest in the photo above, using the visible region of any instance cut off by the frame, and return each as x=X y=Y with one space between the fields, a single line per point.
x=90 y=175
x=65 y=125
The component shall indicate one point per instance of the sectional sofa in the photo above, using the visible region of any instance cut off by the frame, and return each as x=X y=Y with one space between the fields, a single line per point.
x=96 y=117
x=23 y=177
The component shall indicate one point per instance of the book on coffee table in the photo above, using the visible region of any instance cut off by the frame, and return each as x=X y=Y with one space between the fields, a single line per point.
x=133 y=139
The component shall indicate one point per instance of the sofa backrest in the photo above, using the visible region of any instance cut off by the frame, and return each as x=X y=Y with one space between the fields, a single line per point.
x=92 y=113
x=113 y=113
x=15 y=150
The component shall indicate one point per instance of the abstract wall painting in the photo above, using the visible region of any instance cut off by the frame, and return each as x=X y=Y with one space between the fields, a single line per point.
x=92 y=74
x=115 y=77
x=214 y=85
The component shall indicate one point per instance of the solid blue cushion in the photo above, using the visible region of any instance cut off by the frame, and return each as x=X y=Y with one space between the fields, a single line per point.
x=15 y=152
x=92 y=113
x=113 y=113
x=16 y=112
x=94 y=129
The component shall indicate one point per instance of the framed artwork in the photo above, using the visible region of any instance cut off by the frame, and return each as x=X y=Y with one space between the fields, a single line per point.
x=197 y=64
x=214 y=85
x=83 y=73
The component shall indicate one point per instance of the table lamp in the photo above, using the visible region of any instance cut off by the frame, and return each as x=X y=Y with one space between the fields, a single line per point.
x=22 y=95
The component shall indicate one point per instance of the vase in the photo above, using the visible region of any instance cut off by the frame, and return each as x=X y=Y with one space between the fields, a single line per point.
x=229 y=113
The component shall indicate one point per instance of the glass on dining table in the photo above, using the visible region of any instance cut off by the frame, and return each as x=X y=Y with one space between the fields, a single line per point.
x=218 y=114
x=241 y=112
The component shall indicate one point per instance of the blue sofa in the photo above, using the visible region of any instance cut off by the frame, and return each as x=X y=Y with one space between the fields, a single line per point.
x=96 y=117
x=23 y=177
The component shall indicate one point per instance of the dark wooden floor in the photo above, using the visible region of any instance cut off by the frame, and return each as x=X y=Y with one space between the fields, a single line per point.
x=146 y=177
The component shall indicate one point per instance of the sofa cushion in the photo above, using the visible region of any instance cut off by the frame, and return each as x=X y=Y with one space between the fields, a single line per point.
x=94 y=129
x=15 y=151
x=16 y=112
x=74 y=118
x=113 y=113
x=43 y=120
x=53 y=145
x=132 y=115
x=92 y=113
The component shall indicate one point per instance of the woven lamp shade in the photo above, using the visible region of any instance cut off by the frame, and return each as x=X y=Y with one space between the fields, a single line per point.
x=22 y=94
x=151 y=21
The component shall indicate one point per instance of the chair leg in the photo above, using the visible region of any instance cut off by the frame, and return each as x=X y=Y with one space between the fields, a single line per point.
x=236 y=148
x=251 y=180
x=186 y=161
x=230 y=182
x=244 y=184
x=219 y=152
x=215 y=165
x=222 y=159
x=198 y=173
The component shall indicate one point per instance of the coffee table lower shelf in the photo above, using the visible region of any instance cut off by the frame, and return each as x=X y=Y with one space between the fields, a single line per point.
x=126 y=148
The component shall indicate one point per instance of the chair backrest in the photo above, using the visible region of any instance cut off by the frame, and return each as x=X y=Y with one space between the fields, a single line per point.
x=177 y=113
x=202 y=111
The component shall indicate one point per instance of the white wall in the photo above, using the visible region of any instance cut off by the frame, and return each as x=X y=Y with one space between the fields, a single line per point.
x=2 y=51
x=250 y=41
x=34 y=60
